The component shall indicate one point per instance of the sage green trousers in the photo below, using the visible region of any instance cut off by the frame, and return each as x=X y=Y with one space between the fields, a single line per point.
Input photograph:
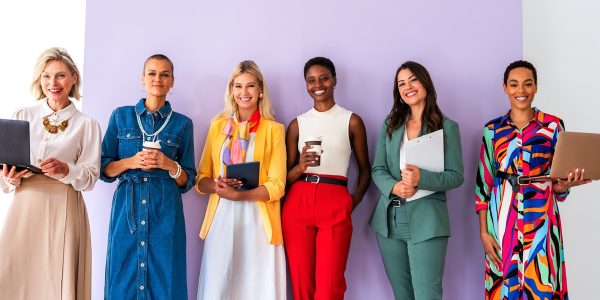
x=415 y=270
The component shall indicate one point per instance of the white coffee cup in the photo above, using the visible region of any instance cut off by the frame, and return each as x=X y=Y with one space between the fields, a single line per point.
x=314 y=145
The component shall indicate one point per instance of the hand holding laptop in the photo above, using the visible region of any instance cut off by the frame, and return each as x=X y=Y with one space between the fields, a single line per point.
x=575 y=161
x=575 y=178
x=49 y=167
x=53 y=166
x=12 y=176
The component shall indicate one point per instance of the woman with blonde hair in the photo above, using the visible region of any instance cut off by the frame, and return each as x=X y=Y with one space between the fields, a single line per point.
x=243 y=255
x=45 y=248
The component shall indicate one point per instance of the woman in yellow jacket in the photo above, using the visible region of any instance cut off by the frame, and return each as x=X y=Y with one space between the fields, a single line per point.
x=243 y=254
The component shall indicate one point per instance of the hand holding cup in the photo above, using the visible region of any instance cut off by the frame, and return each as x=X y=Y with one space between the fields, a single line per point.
x=313 y=149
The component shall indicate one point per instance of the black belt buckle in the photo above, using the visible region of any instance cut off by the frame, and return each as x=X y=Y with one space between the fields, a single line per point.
x=307 y=178
x=397 y=203
x=523 y=180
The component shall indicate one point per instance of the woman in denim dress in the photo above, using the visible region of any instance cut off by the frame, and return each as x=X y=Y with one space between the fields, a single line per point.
x=149 y=148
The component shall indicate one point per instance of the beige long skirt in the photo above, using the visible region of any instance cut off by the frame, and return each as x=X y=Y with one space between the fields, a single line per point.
x=45 y=248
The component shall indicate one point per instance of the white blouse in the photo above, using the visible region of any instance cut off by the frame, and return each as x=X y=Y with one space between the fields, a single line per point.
x=78 y=145
x=403 y=150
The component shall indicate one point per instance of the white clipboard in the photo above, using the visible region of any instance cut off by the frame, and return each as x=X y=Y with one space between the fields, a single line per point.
x=426 y=152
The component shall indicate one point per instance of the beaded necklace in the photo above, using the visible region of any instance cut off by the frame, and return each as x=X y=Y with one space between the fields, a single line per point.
x=155 y=144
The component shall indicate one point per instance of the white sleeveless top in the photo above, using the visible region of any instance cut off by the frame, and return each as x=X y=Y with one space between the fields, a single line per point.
x=333 y=127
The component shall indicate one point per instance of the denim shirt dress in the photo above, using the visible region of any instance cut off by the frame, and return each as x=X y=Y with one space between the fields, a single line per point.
x=146 y=257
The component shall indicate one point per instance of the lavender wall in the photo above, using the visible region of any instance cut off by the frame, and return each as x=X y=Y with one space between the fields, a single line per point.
x=465 y=45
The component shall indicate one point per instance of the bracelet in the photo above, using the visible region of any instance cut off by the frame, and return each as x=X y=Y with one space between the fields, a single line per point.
x=177 y=173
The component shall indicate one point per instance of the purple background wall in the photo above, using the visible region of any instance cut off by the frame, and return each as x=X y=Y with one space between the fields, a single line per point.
x=465 y=45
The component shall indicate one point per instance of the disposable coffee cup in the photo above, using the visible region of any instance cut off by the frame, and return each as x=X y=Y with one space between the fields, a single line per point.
x=313 y=144
x=151 y=145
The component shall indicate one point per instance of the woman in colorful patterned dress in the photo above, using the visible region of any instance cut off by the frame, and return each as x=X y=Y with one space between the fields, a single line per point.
x=243 y=254
x=520 y=224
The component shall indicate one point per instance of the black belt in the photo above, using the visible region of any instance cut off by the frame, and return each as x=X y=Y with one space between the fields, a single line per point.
x=319 y=179
x=515 y=180
x=398 y=202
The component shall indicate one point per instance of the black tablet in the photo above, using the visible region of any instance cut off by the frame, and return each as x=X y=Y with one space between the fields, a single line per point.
x=247 y=173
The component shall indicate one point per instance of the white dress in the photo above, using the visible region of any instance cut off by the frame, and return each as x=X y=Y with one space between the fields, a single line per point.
x=238 y=262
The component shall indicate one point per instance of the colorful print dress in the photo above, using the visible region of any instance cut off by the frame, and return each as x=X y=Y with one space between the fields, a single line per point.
x=526 y=223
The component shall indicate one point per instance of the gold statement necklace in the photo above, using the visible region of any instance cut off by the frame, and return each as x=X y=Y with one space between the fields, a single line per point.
x=54 y=128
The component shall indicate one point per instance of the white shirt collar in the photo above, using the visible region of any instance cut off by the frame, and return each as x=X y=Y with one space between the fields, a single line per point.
x=63 y=114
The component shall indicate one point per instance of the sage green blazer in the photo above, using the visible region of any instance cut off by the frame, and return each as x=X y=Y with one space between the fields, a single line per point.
x=428 y=216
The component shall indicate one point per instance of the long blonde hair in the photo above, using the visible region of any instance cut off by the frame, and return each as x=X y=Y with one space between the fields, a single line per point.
x=51 y=54
x=264 y=103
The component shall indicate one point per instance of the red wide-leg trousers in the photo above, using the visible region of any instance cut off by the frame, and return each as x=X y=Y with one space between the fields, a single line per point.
x=317 y=230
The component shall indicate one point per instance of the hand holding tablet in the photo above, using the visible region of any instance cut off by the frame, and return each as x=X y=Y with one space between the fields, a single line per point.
x=247 y=173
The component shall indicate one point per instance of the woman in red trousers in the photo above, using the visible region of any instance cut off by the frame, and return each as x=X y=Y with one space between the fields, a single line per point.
x=316 y=215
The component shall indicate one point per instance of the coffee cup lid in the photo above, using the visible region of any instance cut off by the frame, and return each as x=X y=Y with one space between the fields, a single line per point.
x=151 y=145
x=313 y=138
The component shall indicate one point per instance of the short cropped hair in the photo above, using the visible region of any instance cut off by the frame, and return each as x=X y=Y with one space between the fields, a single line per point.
x=319 y=61
x=520 y=64
x=159 y=57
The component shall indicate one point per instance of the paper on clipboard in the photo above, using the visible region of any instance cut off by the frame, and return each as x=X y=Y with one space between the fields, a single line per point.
x=426 y=152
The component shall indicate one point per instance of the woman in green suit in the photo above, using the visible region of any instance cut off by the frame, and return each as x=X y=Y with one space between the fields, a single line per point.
x=413 y=232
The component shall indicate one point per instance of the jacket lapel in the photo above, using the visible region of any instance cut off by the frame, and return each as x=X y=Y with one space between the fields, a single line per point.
x=260 y=139
x=394 y=151
x=218 y=139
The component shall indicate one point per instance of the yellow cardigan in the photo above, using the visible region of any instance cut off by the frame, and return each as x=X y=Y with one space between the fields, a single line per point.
x=269 y=149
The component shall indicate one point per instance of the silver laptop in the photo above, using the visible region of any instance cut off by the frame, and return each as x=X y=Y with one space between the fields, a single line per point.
x=14 y=145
